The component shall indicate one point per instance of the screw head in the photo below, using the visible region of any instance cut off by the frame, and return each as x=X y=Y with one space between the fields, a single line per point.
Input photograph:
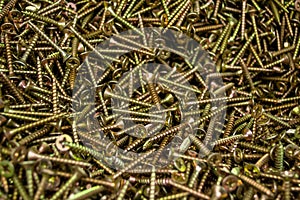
x=287 y=175
x=60 y=142
x=7 y=169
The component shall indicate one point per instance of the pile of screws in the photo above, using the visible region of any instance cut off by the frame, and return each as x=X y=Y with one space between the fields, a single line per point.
x=243 y=143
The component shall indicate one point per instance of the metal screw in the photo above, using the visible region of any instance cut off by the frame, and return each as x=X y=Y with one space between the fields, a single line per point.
x=78 y=174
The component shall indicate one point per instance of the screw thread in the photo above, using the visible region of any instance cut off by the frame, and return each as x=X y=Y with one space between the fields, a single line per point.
x=228 y=140
x=243 y=49
x=133 y=144
x=129 y=8
x=297 y=48
x=70 y=182
x=161 y=148
x=279 y=153
x=13 y=88
x=7 y=8
x=249 y=194
x=263 y=160
x=137 y=161
x=287 y=190
x=41 y=18
x=123 y=191
x=254 y=147
x=221 y=37
x=256 y=185
x=67 y=161
x=229 y=126
x=203 y=148
x=88 y=11
x=189 y=190
x=83 y=149
x=180 y=14
x=242 y=119
x=34 y=135
x=30 y=47
x=65 y=77
x=20 y=188
x=244 y=4
x=8 y=54
x=36 y=29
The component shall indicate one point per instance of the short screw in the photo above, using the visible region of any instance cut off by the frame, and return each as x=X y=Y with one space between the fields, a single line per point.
x=278 y=156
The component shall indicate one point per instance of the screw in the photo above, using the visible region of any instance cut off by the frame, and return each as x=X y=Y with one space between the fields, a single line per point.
x=21 y=117
x=152 y=184
x=247 y=76
x=133 y=164
x=185 y=5
x=208 y=28
x=287 y=176
x=20 y=188
x=88 y=11
x=34 y=135
x=198 y=168
x=226 y=38
x=189 y=190
x=42 y=186
x=61 y=25
x=37 y=30
x=83 y=149
x=252 y=15
x=254 y=184
x=254 y=147
x=4 y=79
x=28 y=165
x=278 y=156
x=222 y=36
x=7 y=8
x=124 y=21
x=108 y=93
x=129 y=8
x=78 y=174
x=277 y=120
x=247 y=134
x=166 y=10
x=297 y=49
x=8 y=30
x=243 y=49
x=244 y=4
x=33 y=156
x=11 y=133
x=87 y=193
